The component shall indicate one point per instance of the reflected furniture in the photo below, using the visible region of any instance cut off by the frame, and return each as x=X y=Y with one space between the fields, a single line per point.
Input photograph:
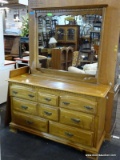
x=61 y=58
x=68 y=35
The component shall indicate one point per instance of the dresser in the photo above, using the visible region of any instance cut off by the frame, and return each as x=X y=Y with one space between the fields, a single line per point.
x=71 y=109
x=72 y=113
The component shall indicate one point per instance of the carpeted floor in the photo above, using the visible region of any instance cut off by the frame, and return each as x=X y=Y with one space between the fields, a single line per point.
x=24 y=146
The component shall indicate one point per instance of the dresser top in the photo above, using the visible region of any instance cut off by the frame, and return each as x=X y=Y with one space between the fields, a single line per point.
x=97 y=90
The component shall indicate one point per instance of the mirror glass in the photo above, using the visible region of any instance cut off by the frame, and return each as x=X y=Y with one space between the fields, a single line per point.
x=69 y=42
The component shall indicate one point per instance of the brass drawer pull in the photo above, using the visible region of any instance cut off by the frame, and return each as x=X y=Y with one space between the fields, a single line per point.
x=69 y=134
x=24 y=107
x=75 y=120
x=66 y=103
x=47 y=99
x=88 y=107
x=15 y=92
x=29 y=122
x=48 y=113
x=30 y=95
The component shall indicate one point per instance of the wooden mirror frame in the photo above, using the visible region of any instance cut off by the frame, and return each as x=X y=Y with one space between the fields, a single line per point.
x=108 y=50
x=34 y=14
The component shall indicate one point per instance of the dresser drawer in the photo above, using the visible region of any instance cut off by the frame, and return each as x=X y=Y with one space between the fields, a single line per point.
x=25 y=106
x=48 y=99
x=23 y=92
x=77 y=119
x=48 y=112
x=71 y=133
x=81 y=104
x=30 y=121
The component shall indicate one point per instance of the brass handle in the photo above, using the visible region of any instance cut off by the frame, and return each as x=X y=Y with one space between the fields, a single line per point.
x=30 y=95
x=88 y=107
x=66 y=103
x=75 y=120
x=29 y=122
x=47 y=99
x=24 y=107
x=48 y=113
x=69 y=134
x=15 y=92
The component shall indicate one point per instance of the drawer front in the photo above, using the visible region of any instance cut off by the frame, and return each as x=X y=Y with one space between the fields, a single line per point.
x=48 y=99
x=24 y=106
x=71 y=133
x=81 y=104
x=48 y=112
x=77 y=119
x=30 y=121
x=23 y=92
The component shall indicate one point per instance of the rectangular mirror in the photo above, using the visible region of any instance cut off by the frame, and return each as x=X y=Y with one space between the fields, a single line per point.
x=69 y=39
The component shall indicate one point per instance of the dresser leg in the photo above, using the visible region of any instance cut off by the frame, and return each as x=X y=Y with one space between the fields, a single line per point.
x=13 y=130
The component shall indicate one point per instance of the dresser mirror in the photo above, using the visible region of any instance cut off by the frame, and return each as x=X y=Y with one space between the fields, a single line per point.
x=69 y=39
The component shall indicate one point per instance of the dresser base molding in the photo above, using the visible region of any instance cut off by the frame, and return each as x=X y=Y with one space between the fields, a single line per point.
x=90 y=150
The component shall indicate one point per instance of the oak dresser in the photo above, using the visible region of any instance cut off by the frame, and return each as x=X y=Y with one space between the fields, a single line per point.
x=68 y=112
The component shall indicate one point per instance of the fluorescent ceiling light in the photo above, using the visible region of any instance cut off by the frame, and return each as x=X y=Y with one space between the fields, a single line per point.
x=4 y=2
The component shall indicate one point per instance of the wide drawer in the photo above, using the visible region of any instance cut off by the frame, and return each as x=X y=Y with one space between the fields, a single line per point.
x=81 y=104
x=48 y=99
x=77 y=119
x=72 y=134
x=24 y=105
x=48 y=112
x=30 y=121
x=23 y=92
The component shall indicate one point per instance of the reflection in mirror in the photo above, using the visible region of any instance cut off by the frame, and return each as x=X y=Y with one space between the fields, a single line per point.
x=80 y=32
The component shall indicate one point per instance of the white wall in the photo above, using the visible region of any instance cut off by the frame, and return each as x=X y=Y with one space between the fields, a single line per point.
x=1 y=42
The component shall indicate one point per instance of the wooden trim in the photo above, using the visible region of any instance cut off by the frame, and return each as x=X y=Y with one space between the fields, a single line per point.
x=66 y=11
x=67 y=7
x=19 y=71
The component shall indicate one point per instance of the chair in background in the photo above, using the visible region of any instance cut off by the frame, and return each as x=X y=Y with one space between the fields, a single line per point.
x=76 y=58
x=96 y=48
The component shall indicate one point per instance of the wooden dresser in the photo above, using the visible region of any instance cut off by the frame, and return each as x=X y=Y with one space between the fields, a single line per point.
x=69 y=112
x=71 y=109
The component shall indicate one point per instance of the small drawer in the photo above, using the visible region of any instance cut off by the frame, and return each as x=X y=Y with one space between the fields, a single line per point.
x=77 y=119
x=23 y=92
x=48 y=99
x=71 y=133
x=79 y=104
x=48 y=112
x=24 y=106
x=30 y=121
